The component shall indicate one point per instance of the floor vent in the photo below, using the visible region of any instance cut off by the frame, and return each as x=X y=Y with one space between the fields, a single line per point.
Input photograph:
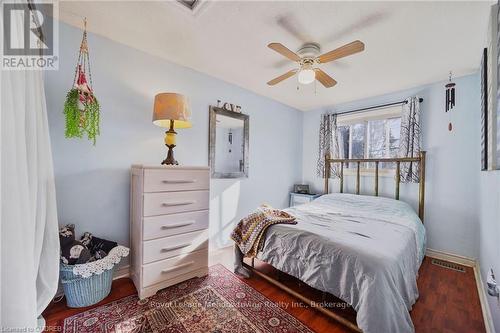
x=448 y=265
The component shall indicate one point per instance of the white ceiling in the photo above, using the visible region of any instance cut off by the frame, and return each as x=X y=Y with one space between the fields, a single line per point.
x=407 y=43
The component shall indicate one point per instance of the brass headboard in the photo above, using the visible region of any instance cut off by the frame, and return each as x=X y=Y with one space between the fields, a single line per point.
x=398 y=160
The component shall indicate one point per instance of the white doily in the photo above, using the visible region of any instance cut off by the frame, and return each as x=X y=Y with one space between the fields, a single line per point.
x=97 y=267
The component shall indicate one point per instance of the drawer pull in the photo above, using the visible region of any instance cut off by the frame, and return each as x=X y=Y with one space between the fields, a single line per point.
x=179 y=181
x=167 y=249
x=177 y=267
x=178 y=225
x=177 y=203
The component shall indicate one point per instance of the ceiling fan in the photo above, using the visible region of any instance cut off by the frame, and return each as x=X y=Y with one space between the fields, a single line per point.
x=308 y=59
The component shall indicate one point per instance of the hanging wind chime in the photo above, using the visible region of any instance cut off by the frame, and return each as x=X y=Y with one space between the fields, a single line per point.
x=81 y=108
x=450 y=99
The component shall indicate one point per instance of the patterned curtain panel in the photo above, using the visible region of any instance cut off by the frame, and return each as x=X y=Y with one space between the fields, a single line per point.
x=328 y=144
x=411 y=137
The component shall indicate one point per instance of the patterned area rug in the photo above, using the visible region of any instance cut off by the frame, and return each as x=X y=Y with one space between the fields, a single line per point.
x=217 y=303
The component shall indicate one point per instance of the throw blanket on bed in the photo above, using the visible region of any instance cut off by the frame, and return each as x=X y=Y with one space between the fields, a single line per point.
x=249 y=231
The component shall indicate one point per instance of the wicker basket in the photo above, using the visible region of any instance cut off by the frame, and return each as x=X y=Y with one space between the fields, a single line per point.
x=80 y=291
x=88 y=284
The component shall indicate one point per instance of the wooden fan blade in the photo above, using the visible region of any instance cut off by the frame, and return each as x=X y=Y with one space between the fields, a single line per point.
x=343 y=51
x=282 y=77
x=284 y=51
x=324 y=78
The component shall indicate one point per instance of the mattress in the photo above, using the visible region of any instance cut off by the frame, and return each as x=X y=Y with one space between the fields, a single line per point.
x=365 y=250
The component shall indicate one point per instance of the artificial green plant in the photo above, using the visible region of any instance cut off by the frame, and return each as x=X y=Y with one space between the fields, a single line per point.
x=80 y=122
x=81 y=108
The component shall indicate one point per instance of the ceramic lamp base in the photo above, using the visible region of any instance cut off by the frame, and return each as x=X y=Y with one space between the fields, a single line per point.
x=170 y=160
x=170 y=143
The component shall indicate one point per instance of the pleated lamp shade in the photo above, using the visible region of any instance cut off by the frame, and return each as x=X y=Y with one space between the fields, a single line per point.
x=171 y=106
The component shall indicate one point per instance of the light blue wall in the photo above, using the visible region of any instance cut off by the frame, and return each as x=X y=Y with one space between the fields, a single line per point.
x=452 y=188
x=93 y=182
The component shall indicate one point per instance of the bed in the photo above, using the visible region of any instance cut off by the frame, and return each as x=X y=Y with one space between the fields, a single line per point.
x=366 y=250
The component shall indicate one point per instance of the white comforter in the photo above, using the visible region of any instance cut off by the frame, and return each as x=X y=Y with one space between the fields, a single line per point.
x=364 y=250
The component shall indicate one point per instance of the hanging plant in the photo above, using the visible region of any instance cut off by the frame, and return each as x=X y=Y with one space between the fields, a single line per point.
x=81 y=109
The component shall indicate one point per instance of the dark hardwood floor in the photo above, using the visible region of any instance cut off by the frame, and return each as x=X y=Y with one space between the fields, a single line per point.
x=448 y=302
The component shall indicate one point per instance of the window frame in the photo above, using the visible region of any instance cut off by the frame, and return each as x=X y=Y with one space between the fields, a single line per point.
x=385 y=113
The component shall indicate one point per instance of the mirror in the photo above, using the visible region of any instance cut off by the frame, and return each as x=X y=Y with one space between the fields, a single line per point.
x=228 y=143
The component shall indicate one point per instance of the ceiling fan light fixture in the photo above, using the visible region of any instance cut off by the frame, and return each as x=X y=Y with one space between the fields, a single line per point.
x=307 y=57
x=307 y=75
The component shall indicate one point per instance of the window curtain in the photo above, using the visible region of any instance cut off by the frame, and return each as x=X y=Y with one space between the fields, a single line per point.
x=410 y=140
x=328 y=144
x=29 y=239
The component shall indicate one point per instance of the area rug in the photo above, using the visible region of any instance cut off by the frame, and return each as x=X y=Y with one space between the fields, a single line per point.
x=217 y=303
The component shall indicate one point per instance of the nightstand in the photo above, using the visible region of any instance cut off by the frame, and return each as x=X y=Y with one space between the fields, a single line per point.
x=299 y=198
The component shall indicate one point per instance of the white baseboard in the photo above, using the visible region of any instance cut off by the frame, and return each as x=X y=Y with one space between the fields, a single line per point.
x=483 y=298
x=474 y=264
x=455 y=258
x=122 y=272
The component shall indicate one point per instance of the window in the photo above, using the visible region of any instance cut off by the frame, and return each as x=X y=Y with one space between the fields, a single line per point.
x=373 y=134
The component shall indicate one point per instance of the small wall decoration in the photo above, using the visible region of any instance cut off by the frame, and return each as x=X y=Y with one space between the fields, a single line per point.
x=229 y=106
x=450 y=95
x=81 y=108
x=484 y=110
x=450 y=99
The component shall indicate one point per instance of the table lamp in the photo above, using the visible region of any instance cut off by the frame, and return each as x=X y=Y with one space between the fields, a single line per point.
x=171 y=111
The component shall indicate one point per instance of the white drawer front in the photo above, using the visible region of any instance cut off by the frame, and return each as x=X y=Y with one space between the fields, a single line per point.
x=157 y=180
x=169 y=247
x=299 y=200
x=168 y=225
x=169 y=268
x=174 y=202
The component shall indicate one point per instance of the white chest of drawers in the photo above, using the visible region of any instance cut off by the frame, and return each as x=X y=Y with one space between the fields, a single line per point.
x=168 y=225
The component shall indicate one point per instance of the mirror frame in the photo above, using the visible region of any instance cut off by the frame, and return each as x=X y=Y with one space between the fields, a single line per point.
x=214 y=111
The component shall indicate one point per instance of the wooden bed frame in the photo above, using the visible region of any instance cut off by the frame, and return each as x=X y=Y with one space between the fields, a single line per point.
x=343 y=161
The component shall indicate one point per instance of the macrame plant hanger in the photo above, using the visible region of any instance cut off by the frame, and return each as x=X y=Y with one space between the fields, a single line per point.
x=81 y=109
